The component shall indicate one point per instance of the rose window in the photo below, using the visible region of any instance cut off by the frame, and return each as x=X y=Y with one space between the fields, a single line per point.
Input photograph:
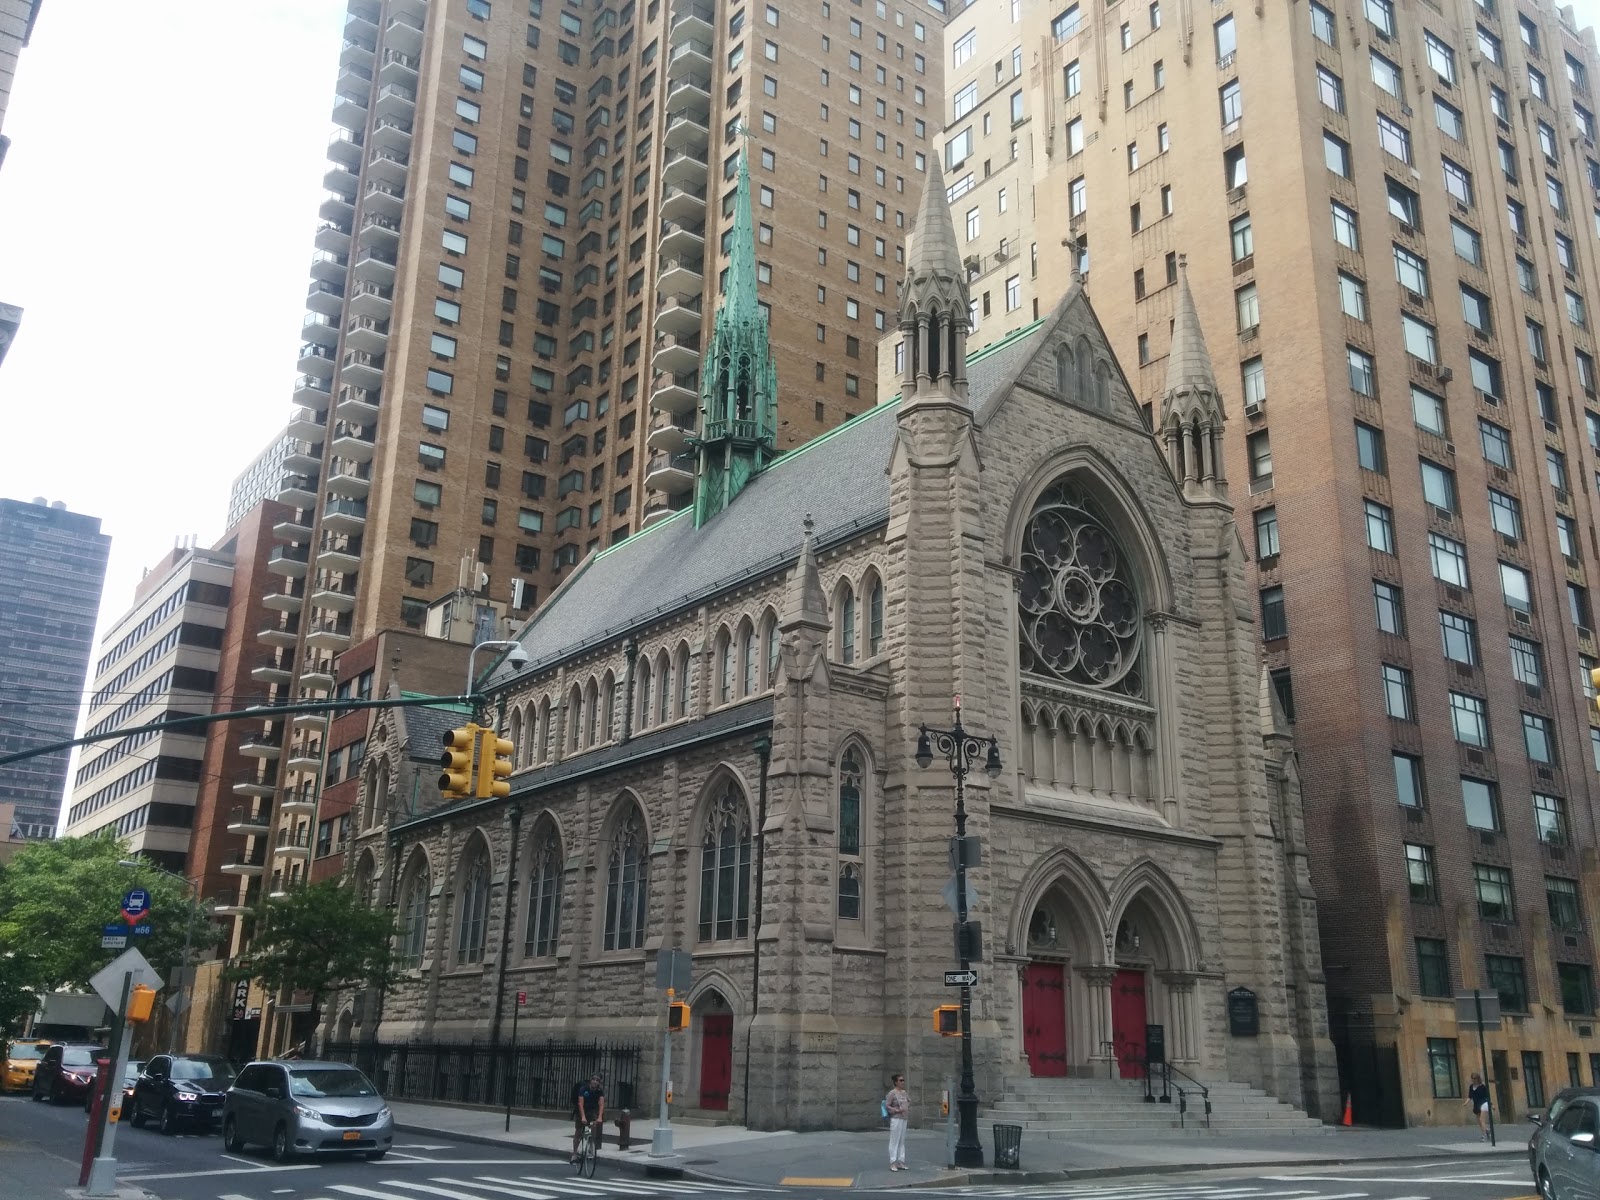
x=1081 y=620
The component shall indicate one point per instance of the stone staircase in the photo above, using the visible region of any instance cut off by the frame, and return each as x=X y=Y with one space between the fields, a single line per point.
x=1078 y=1109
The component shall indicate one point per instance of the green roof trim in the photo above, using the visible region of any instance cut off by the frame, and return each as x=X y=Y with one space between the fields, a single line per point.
x=443 y=706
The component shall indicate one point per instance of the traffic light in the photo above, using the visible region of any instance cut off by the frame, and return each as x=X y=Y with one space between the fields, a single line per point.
x=494 y=764
x=1594 y=688
x=677 y=1017
x=141 y=1002
x=455 y=782
x=947 y=1020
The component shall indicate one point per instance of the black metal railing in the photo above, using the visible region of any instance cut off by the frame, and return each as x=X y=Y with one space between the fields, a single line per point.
x=1165 y=1072
x=540 y=1075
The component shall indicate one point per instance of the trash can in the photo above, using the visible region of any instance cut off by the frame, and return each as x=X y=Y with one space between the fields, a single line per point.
x=1008 y=1146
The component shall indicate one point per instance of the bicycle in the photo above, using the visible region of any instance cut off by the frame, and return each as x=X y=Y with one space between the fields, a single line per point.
x=588 y=1149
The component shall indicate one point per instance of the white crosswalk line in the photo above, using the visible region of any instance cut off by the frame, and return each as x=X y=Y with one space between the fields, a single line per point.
x=448 y=1194
x=523 y=1192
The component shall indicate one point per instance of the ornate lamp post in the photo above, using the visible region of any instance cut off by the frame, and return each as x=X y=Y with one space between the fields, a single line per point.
x=962 y=750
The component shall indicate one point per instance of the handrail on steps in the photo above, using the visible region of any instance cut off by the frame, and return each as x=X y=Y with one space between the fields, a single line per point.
x=1167 y=1072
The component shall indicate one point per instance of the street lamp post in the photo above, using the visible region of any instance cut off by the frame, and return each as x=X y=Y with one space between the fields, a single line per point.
x=517 y=657
x=188 y=939
x=962 y=750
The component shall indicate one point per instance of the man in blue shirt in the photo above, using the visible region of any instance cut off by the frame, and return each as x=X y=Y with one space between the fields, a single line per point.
x=590 y=1109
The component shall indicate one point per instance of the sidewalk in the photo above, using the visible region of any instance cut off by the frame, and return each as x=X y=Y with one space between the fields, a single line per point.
x=731 y=1154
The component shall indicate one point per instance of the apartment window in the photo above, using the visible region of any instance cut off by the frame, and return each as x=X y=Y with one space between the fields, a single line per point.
x=1322 y=26
x=1241 y=237
x=1394 y=138
x=1380 y=526
x=1449 y=560
x=1404 y=204
x=1506 y=975
x=1420 y=877
x=1441 y=58
x=1516 y=587
x=1253 y=376
x=1527 y=662
x=1428 y=411
x=1420 y=338
x=1077 y=202
x=1485 y=373
x=1235 y=171
x=1410 y=270
x=1449 y=120
x=1336 y=155
x=1433 y=979
x=1495 y=904
x=1555 y=464
x=1013 y=293
x=1397 y=694
x=1266 y=521
x=964 y=47
x=427 y=494
x=1505 y=514
x=1578 y=606
x=1489 y=45
x=435 y=418
x=451 y=277
x=1469 y=717
x=1352 y=297
x=1259 y=448
x=1370 y=450
x=1381 y=14
x=1577 y=990
x=1457 y=181
x=1408 y=780
x=1274 y=621
x=1227 y=40
x=1475 y=310
x=1363 y=378
x=1576 y=312
x=1389 y=601
x=1460 y=637
x=1345 y=228
x=1074 y=136
x=1550 y=819
x=1387 y=76
x=1537 y=348
x=1538 y=738
x=1231 y=98
x=1561 y=898
x=1438 y=485
x=1072 y=75
x=1567 y=538
x=1247 y=307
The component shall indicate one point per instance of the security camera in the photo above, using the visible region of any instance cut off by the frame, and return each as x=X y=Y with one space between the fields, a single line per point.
x=517 y=657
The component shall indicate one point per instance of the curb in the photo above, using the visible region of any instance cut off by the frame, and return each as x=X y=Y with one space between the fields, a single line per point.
x=647 y=1168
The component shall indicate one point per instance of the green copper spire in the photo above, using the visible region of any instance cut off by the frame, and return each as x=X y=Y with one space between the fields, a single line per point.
x=739 y=387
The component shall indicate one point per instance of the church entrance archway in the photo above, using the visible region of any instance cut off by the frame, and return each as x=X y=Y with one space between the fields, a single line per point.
x=1059 y=1021
x=1044 y=1018
x=715 y=1021
x=1128 y=1016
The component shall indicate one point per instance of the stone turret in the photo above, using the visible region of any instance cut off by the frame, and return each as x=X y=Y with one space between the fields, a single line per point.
x=1191 y=407
x=933 y=304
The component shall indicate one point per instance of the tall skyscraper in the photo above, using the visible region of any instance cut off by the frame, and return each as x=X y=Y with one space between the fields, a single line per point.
x=502 y=358
x=52 y=567
x=259 y=481
x=1389 y=217
x=16 y=27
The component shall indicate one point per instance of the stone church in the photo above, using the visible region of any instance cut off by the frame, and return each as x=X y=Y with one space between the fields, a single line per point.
x=715 y=737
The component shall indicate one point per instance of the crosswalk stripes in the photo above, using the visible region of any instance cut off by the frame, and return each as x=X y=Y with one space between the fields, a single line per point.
x=526 y=1187
x=1149 y=1191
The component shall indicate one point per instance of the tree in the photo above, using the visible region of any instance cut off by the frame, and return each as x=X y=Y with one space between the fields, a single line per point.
x=319 y=939
x=54 y=898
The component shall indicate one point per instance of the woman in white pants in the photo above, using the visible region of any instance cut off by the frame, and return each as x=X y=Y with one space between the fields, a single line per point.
x=898 y=1105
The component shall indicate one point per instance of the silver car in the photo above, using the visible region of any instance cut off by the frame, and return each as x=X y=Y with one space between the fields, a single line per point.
x=306 y=1108
x=1564 y=1150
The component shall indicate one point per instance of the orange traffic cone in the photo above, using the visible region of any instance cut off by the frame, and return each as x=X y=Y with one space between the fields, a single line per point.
x=1347 y=1118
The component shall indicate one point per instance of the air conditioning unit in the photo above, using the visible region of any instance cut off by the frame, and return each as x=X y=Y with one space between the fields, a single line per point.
x=1450 y=448
x=1445 y=374
x=1252 y=408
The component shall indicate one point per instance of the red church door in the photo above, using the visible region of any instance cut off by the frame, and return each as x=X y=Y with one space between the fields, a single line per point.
x=1044 y=1018
x=716 y=1060
x=1128 y=1017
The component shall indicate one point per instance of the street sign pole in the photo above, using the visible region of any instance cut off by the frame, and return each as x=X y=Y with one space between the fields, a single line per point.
x=661 y=1135
x=1483 y=1053
x=102 y=1179
x=511 y=1075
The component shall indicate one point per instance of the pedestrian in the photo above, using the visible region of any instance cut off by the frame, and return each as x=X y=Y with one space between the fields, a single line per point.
x=1478 y=1101
x=898 y=1105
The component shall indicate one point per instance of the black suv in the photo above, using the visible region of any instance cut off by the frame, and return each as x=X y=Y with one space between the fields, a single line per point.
x=66 y=1072
x=181 y=1089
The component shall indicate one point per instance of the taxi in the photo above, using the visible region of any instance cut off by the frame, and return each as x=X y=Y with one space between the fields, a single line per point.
x=22 y=1057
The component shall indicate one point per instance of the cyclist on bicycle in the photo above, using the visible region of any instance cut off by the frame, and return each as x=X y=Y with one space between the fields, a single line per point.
x=590 y=1109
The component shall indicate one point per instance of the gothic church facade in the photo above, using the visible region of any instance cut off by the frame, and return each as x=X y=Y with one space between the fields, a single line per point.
x=715 y=737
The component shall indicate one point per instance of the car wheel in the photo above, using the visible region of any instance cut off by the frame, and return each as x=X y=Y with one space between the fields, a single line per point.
x=375 y=1155
x=136 y=1116
x=169 y=1120
x=281 y=1151
x=230 y=1137
x=1546 y=1188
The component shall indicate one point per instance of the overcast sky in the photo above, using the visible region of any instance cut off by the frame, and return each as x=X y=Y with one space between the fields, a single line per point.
x=158 y=203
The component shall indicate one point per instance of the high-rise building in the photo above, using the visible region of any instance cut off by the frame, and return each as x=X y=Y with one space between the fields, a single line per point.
x=503 y=343
x=259 y=481
x=52 y=567
x=16 y=27
x=1389 y=219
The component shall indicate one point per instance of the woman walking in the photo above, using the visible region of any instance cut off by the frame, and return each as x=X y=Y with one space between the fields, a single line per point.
x=1478 y=1101
x=898 y=1105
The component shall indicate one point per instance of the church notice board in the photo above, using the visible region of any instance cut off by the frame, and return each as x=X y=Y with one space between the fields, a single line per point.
x=1244 y=1020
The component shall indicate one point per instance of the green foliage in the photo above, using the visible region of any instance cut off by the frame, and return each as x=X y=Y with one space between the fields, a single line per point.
x=54 y=898
x=320 y=939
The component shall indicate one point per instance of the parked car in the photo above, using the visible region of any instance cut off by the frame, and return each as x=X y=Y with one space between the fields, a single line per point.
x=21 y=1059
x=130 y=1074
x=177 y=1090
x=1564 y=1150
x=306 y=1108
x=66 y=1072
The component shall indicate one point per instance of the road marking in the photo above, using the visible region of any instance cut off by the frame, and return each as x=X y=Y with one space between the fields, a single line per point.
x=225 y=1171
x=840 y=1181
x=409 y=1146
x=525 y=1193
x=1382 y=1179
x=247 y=1162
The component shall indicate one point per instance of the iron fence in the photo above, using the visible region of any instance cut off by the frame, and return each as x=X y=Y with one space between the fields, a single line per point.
x=542 y=1074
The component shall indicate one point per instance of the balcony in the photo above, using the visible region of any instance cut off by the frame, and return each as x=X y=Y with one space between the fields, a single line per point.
x=315 y=358
x=375 y=264
x=288 y=560
x=686 y=129
x=293 y=529
x=685 y=202
x=318 y=674
x=242 y=863
x=684 y=167
x=388 y=165
x=263 y=744
x=312 y=393
x=304 y=425
x=681 y=318
x=316 y=723
x=682 y=243
x=675 y=355
x=691 y=21
x=327 y=265
x=339 y=205
x=303 y=458
x=339 y=555
x=370 y=300
x=283 y=883
x=362 y=370
x=363 y=333
x=386 y=198
x=300 y=799
x=379 y=230
x=298 y=491
x=350 y=111
x=672 y=436
x=396 y=101
x=404 y=32
x=692 y=92
x=397 y=67
x=681 y=278
x=258 y=785
x=361 y=21
x=283 y=634
x=670 y=473
x=335 y=597
x=357 y=51
x=350 y=479
x=344 y=516
x=353 y=443
x=391 y=133
x=279 y=671
x=333 y=235
x=676 y=393
x=321 y=329
x=248 y=819
x=293 y=843
x=326 y=298
x=306 y=757
x=291 y=600
x=340 y=179
x=690 y=54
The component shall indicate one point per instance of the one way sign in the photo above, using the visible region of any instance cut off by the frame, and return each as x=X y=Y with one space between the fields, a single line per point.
x=961 y=979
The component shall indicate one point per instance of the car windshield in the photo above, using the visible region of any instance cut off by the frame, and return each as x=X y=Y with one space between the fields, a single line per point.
x=132 y=1073
x=27 y=1053
x=203 y=1070
x=79 y=1056
x=330 y=1081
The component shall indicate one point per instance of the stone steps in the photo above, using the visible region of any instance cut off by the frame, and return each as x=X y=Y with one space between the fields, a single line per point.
x=1075 y=1109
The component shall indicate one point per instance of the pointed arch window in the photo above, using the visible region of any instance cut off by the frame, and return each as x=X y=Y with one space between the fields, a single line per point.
x=772 y=651
x=362 y=879
x=850 y=892
x=847 y=625
x=473 y=911
x=1080 y=613
x=627 y=885
x=608 y=696
x=642 y=687
x=850 y=863
x=544 y=731
x=575 y=718
x=664 y=690
x=591 y=712
x=544 y=895
x=749 y=663
x=725 y=868
x=682 y=671
x=515 y=734
x=724 y=668
x=414 y=913
x=875 y=619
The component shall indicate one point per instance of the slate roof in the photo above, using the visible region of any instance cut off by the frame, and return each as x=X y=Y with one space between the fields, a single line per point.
x=426 y=725
x=839 y=478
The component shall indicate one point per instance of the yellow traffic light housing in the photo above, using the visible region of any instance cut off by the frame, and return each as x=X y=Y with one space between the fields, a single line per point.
x=1594 y=689
x=947 y=1020
x=455 y=782
x=141 y=1002
x=494 y=764
x=677 y=1017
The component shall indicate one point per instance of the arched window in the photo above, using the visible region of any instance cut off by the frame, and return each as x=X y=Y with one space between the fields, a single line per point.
x=663 y=689
x=544 y=893
x=850 y=865
x=682 y=672
x=749 y=663
x=1080 y=614
x=575 y=719
x=847 y=625
x=641 y=690
x=724 y=668
x=725 y=868
x=544 y=729
x=608 y=706
x=591 y=712
x=769 y=640
x=361 y=879
x=414 y=911
x=875 y=618
x=1064 y=372
x=515 y=734
x=472 y=907
x=627 y=884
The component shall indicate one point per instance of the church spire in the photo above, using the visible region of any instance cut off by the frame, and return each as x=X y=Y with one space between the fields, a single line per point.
x=933 y=303
x=739 y=389
x=1191 y=406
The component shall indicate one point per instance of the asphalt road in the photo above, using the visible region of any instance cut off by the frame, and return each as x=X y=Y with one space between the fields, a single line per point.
x=1443 y=1179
